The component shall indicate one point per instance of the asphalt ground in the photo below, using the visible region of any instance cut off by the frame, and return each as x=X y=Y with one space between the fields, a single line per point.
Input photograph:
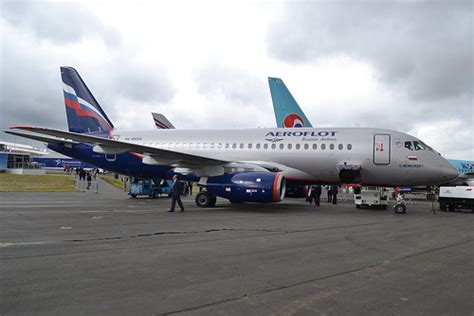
x=90 y=254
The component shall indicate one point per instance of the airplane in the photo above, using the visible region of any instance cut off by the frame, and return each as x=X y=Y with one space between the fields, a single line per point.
x=161 y=122
x=284 y=106
x=241 y=165
x=21 y=148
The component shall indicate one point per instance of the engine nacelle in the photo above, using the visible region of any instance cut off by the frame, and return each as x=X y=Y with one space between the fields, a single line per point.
x=262 y=187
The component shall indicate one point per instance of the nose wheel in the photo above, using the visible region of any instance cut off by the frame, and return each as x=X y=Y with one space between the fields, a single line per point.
x=400 y=207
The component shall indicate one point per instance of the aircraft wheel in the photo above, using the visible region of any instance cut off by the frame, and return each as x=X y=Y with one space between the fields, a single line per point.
x=442 y=207
x=203 y=199
x=133 y=195
x=400 y=209
x=357 y=206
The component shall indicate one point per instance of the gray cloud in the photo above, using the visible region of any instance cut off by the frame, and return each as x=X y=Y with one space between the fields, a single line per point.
x=425 y=47
x=140 y=82
x=60 y=22
x=30 y=82
x=234 y=84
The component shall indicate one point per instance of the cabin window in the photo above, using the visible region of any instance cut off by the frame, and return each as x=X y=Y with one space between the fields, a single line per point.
x=204 y=146
x=306 y=146
x=349 y=146
x=340 y=146
x=258 y=146
x=212 y=145
x=274 y=146
x=191 y=145
x=170 y=145
x=249 y=146
x=198 y=146
x=282 y=146
x=219 y=145
x=315 y=146
x=323 y=146
x=265 y=146
x=331 y=146
x=289 y=146
x=227 y=145
x=297 y=146
x=234 y=145
x=241 y=145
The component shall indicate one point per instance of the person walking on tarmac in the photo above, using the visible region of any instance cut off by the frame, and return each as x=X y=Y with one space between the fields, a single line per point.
x=334 y=192
x=317 y=194
x=177 y=190
x=328 y=188
x=312 y=192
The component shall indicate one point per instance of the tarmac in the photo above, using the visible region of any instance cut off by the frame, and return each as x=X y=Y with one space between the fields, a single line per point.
x=89 y=254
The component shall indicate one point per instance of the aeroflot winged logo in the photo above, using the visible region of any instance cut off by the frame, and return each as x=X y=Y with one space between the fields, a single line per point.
x=275 y=136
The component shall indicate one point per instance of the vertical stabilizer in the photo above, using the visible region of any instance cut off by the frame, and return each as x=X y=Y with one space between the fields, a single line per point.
x=288 y=113
x=84 y=114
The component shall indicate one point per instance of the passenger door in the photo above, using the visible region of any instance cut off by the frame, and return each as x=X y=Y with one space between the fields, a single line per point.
x=381 y=149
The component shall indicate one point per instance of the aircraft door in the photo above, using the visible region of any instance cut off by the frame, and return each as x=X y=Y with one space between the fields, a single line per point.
x=381 y=149
x=110 y=157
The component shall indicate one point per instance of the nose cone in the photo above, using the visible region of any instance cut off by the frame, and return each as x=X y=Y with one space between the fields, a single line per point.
x=447 y=172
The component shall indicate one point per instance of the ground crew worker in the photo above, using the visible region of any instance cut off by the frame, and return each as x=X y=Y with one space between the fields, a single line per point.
x=177 y=190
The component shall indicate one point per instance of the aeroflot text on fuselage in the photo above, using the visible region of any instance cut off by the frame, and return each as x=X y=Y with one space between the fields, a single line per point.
x=301 y=133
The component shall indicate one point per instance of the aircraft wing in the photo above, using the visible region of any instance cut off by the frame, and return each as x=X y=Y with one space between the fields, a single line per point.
x=44 y=139
x=117 y=146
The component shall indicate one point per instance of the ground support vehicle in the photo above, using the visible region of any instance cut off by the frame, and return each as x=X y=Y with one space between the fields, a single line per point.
x=456 y=198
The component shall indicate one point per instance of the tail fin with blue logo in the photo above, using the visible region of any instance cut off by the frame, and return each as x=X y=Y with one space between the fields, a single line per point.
x=84 y=114
x=288 y=113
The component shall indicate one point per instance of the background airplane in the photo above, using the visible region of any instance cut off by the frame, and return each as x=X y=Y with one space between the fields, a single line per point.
x=161 y=122
x=242 y=165
x=285 y=107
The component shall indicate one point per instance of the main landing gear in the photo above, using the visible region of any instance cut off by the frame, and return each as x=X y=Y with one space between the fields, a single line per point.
x=204 y=199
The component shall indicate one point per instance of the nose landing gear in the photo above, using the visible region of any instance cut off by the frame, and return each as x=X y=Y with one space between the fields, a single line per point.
x=400 y=207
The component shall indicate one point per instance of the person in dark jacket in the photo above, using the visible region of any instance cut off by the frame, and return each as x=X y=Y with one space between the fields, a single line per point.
x=317 y=194
x=328 y=188
x=334 y=191
x=177 y=191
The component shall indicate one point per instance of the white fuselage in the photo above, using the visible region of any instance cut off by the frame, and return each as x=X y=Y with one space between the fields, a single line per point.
x=311 y=154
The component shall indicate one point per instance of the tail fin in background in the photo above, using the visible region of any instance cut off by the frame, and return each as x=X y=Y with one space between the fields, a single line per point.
x=288 y=113
x=84 y=114
x=161 y=122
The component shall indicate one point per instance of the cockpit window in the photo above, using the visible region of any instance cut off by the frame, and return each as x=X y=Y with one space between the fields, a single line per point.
x=426 y=146
x=419 y=145
x=409 y=145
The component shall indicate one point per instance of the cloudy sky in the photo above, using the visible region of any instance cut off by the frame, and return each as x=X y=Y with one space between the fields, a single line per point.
x=404 y=65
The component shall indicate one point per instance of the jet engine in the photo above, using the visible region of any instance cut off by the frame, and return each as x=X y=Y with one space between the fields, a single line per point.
x=261 y=187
